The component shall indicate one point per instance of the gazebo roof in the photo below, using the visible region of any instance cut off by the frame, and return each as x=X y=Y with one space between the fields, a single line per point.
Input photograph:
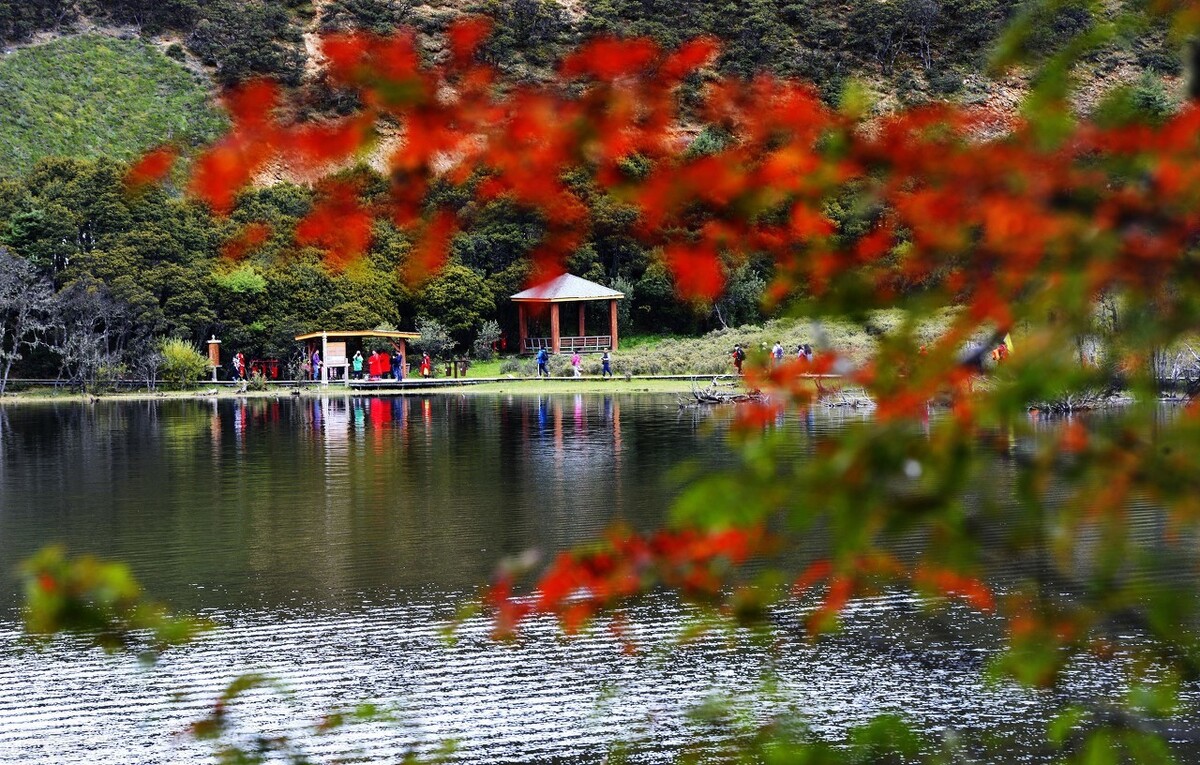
x=566 y=288
x=360 y=333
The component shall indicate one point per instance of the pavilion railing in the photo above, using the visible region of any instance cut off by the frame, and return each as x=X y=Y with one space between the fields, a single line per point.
x=583 y=344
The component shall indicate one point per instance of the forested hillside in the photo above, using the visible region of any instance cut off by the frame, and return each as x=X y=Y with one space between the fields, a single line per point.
x=85 y=84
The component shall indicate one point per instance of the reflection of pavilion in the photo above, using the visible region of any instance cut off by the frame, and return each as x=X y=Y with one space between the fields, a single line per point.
x=566 y=289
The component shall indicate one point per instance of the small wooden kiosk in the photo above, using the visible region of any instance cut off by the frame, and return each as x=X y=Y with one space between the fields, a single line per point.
x=566 y=288
x=338 y=346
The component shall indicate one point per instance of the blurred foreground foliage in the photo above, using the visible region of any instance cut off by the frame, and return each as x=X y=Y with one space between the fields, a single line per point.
x=1068 y=244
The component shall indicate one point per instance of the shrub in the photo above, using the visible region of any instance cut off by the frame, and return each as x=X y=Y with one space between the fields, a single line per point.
x=258 y=381
x=181 y=362
x=489 y=334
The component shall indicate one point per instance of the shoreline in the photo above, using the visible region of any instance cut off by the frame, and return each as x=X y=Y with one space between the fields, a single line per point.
x=483 y=386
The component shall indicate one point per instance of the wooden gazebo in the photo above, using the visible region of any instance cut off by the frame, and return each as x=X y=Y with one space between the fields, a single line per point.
x=554 y=293
x=337 y=346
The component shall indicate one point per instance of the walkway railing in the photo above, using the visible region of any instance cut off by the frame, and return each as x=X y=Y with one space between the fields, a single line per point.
x=584 y=344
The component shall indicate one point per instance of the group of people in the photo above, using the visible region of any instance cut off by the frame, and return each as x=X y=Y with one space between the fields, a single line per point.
x=777 y=353
x=237 y=367
x=543 y=364
x=379 y=365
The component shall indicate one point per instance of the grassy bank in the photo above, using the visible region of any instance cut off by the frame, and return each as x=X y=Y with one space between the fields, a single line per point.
x=711 y=354
x=97 y=96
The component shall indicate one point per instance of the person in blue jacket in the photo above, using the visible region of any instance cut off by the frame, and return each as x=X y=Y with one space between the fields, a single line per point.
x=542 y=359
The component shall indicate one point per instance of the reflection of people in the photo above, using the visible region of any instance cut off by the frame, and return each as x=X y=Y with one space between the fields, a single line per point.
x=316 y=365
x=426 y=365
x=605 y=365
x=576 y=362
x=542 y=358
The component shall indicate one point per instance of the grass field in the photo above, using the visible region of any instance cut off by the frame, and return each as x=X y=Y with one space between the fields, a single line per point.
x=97 y=96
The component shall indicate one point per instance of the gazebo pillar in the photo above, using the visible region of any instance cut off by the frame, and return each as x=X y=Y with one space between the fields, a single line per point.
x=582 y=328
x=324 y=359
x=522 y=327
x=612 y=322
x=555 y=335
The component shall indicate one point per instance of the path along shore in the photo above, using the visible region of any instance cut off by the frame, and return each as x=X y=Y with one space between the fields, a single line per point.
x=413 y=387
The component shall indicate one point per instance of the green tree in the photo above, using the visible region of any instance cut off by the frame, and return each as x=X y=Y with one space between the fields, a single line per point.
x=460 y=300
x=181 y=362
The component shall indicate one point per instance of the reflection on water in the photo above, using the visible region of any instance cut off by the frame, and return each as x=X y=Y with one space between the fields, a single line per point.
x=330 y=538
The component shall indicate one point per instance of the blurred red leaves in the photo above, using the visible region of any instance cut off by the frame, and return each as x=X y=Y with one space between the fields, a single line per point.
x=579 y=585
x=339 y=224
x=248 y=240
x=153 y=167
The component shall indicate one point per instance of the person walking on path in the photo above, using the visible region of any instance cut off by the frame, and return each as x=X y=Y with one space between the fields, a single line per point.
x=542 y=359
x=316 y=365
x=397 y=364
x=605 y=365
x=576 y=362
x=357 y=363
x=739 y=355
x=777 y=353
x=426 y=365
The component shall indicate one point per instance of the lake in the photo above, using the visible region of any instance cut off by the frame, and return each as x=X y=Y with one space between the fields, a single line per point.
x=332 y=538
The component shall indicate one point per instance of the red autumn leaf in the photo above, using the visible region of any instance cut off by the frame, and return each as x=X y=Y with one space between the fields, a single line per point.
x=466 y=35
x=690 y=56
x=697 y=271
x=339 y=225
x=345 y=54
x=249 y=239
x=807 y=224
x=607 y=59
x=218 y=175
x=252 y=104
x=433 y=247
x=152 y=168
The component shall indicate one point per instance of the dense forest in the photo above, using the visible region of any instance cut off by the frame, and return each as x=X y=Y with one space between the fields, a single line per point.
x=127 y=270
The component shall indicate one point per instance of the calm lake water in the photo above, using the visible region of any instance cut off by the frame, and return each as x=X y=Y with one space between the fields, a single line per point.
x=330 y=539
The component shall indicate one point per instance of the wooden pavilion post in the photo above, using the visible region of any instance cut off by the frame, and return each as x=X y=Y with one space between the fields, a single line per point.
x=612 y=322
x=324 y=359
x=522 y=327
x=555 y=339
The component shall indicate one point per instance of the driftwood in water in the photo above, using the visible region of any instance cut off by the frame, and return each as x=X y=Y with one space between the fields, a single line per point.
x=714 y=395
x=836 y=397
x=1083 y=402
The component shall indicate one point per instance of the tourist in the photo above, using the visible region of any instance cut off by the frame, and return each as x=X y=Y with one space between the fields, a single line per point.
x=605 y=365
x=777 y=353
x=576 y=362
x=397 y=365
x=235 y=371
x=357 y=364
x=543 y=359
x=739 y=356
x=426 y=365
x=316 y=365
x=808 y=353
